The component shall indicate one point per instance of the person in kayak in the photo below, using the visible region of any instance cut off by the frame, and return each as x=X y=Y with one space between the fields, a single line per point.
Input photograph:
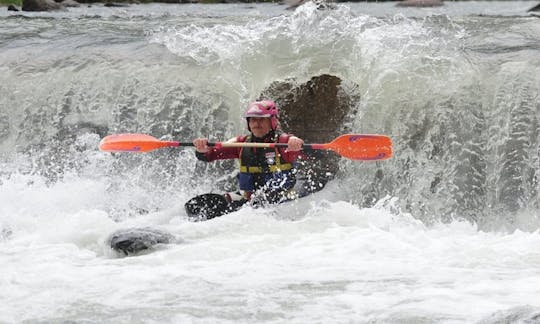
x=265 y=173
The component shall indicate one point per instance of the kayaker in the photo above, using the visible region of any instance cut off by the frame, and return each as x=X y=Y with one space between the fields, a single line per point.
x=266 y=174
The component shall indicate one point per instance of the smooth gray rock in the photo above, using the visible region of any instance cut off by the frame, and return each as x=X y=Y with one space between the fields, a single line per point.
x=134 y=240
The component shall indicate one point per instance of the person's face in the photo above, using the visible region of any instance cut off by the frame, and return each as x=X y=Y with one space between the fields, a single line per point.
x=260 y=126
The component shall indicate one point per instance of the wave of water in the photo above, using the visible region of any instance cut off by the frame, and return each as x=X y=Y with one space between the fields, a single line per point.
x=384 y=242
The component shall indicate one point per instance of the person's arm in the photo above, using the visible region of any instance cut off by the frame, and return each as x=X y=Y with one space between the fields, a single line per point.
x=293 y=150
x=206 y=153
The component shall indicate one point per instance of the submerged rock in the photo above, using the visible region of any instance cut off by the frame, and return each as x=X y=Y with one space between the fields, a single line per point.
x=5 y=233
x=518 y=314
x=535 y=8
x=420 y=3
x=115 y=4
x=535 y=11
x=321 y=4
x=134 y=240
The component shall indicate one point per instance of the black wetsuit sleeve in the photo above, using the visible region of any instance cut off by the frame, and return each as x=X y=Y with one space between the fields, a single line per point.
x=201 y=156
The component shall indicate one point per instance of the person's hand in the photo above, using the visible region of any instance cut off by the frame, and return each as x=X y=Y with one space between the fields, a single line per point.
x=294 y=144
x=201 y=145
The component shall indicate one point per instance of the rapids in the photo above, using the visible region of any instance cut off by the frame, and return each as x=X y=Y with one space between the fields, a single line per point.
x=451 y=221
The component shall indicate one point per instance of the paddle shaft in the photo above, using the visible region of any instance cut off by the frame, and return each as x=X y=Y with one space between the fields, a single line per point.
x=260 y=145
x=242 y=144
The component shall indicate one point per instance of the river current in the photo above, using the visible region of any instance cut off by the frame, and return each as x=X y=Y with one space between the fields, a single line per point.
x=447 y=231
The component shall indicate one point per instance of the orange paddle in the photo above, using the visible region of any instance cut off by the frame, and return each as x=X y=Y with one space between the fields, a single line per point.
x=351 y=146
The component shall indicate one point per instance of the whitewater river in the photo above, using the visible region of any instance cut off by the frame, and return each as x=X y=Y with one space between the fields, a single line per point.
x=447 y=231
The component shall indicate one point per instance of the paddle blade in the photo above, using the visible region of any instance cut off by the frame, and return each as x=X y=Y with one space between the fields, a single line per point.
x=132 y=143
x=362 y=146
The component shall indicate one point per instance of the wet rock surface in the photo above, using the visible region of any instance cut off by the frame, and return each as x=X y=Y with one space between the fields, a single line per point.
x=420 y=3
x=316 y=111
x=134 y=240
x=40 y=5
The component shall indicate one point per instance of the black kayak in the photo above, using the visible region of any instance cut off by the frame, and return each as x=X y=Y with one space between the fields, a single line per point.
x=208 y=206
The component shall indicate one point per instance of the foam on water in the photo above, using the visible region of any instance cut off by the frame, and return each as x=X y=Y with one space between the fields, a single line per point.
x=314 y=260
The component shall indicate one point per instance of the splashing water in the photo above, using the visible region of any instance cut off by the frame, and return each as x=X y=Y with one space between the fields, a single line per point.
x=411 y=239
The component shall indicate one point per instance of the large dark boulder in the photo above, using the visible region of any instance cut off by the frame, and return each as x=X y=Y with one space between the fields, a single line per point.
x=40 y=5
x=316 y=111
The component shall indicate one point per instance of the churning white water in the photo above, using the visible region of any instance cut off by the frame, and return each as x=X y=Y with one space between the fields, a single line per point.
x=315 y=261
x=448 y=234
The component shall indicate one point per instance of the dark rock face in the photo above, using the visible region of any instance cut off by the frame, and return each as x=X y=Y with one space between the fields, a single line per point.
x=535 y=9
x=420 y=3
x=315 y=111
x=40 y=5
x=46 y=5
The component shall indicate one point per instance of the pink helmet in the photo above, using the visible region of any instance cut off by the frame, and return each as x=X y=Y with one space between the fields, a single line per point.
x=263 y=108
